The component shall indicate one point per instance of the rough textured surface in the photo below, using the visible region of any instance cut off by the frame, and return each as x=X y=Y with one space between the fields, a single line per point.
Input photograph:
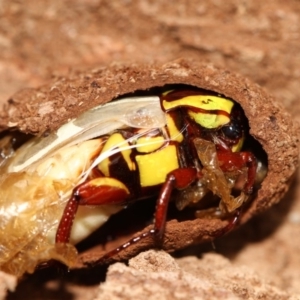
x=156 y=273
x=259 y=40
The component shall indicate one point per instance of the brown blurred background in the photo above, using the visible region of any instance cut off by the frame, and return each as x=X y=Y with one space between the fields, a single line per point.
x=43 y=39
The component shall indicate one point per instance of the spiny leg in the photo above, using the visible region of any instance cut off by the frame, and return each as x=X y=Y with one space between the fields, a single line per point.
x=251 y=163
x=98 y=191
x=65 y=225
x=232 y=223
x=179 y=179
x=238 y=160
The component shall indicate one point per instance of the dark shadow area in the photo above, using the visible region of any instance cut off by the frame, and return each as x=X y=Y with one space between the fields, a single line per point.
x=258 y=228
x=255 y=230
x=52 y=283
x=55 y=282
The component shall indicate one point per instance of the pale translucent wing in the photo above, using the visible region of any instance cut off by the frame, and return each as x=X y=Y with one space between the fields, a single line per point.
x=139 y=112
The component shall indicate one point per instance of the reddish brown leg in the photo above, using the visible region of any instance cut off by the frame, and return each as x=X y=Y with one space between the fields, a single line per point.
x=232 y=223
x=232 y=161
x=65 y=225
x=251 y=163
x=92 y=192
x=117 y=250
x=179 y=179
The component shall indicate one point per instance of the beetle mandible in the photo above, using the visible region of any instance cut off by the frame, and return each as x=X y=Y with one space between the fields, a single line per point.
x=189 y=141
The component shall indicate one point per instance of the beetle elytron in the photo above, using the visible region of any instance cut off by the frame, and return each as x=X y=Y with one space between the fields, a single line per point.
x=185 y=143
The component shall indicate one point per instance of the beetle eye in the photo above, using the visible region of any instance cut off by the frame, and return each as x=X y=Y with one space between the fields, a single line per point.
x=232 y=131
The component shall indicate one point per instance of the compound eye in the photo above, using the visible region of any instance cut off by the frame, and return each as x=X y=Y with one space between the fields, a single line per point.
x=232 y=131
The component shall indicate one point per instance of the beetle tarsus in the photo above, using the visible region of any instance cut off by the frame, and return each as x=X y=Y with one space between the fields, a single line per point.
x=232 y=223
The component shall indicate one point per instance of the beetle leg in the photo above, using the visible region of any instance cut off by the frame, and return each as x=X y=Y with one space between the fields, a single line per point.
x=98 y=191
x=179 y=179
x=251 y=163
x=65 y=225
x=234 y=161
x=129 y=243
x=232 y=223
x=152 y=232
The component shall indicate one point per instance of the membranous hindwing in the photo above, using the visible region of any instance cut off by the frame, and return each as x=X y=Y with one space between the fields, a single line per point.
x=56 y=190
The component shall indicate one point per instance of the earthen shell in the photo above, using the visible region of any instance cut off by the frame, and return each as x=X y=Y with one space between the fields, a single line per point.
x=44 y=109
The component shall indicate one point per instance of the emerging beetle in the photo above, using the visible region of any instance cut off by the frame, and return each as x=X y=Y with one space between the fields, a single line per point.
x=186 y=143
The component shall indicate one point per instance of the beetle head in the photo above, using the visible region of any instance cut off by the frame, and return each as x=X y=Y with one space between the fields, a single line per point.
x=221 y=119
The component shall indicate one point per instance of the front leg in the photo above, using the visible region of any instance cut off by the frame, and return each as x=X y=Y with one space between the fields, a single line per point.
x=234 y=161
x=98 y=191
x=222 y=164
x=179 y=179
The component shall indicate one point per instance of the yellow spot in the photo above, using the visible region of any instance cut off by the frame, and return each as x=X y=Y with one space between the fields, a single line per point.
x=239 y=145
x=155 y=167
x=175 y=134
x=116 y=141
x=206 y=120
x=149 y=144
x=109 y=181
x=200 y=101
x=209 y=120
x=167 y=92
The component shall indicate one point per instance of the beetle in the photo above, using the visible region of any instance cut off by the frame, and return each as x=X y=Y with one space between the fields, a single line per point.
x=184 y=142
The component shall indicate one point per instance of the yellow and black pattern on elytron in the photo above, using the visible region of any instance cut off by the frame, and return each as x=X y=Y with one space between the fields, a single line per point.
x=148 y=156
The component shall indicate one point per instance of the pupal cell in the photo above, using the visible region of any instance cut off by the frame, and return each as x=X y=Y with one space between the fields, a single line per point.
x=182 y=146
x=255 y=154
